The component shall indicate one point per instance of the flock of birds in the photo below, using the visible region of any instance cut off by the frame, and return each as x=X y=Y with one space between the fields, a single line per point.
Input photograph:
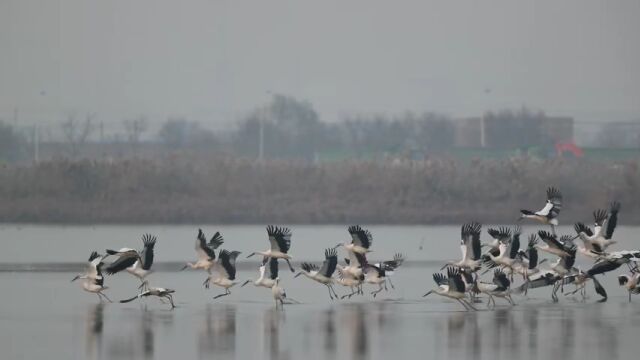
x=503 y=258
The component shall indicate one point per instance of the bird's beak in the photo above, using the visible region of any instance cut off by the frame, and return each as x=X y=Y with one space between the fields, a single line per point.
x=250 y=255
x=298 y=274
x=427 y=294
x=337 y=246
x=245 y=283
x=75 y=278
x=442 y=268
x=184 y=267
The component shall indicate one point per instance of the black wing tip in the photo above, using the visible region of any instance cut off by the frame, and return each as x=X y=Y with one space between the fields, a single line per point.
x=149 y=240
x=533 y=240
x=545 y=234
x=353 y=229
x=553 y=192
x=278 y=230
x=599 y=216
x=94 y=255
x=330 y=252
x=614 y=207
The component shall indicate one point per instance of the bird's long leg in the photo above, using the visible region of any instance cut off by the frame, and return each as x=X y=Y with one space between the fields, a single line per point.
x=170 y=301
x=106 y=297
x=99 y=297
x=227 y=292
x=329 y=289
x=469 y=304
x=375 y=292
x=463 y=304
x=290 y=267
x=334 y=290
x=385 y=285
x=390 y=283
x=510 y=299
x=348 y=295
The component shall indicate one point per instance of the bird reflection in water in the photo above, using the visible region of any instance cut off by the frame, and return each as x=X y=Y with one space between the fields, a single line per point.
x=95 y=325
x=139 y=341
x=273 y=323
x=217 y=334
x=357 y=332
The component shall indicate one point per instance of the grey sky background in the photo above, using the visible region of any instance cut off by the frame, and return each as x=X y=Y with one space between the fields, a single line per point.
x=213 y=61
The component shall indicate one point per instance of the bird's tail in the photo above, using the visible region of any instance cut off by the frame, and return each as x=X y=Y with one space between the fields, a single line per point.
x=111 y=252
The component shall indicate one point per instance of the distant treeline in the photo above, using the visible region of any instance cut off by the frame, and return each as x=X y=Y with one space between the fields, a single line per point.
x=234 y=190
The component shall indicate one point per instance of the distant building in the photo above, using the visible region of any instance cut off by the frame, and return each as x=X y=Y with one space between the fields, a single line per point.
x=509 y=130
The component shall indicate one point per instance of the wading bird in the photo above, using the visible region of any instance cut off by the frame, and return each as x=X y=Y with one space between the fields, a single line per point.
x=161 y=293
x=324 y=274
x=270 y=279
x=548 y=215
x=470 y=247
x=355 y=267
x=597 y=241
x=280 y=241
x=93 y=279
x=528 y=260
x=390 y=266
x=630 y=282
x=500 y=287
x=345 y=279
x=509 y=245
x=452 y=286
x=205 y=252
x=136 y=263
x=226 y=268
x=361 y=240
x=376 y=276
x=278 y=293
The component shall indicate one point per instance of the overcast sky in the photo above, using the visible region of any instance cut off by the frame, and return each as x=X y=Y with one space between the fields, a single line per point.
x=213 y=61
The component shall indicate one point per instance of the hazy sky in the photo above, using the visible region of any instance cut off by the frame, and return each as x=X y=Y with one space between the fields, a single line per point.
x=213 y=61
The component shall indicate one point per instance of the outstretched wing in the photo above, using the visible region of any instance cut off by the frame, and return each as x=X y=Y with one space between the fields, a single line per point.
x=122 y=263
x=280 y=238
x=273 y=268
x=330 y=262
x=360 y=236
x=580 y=227
x=216 y=240
x=554 y=204
x=612 y=221
x=146 y=256
x=470 y=240
x=202 y=249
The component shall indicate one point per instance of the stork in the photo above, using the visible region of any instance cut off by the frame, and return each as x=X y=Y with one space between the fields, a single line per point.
x=528 y=260
x=280 y=241
x=509 y=247
x=470 y=247
x=630 y=282
x=93 y=279
x=226 y=268
x=324 y=274
x=390 y=266
x=278 y=293
x=361 y=240
x=354 y=269
x=136 y=263
x=552 y=245
x=452 y=286
x=500 y=287
x=375 y=276
x=161 y=293
x=347 y=280
x=270 y=279
x=205 y=252
x=597 y=241
x=548 y=215
x=580 y=279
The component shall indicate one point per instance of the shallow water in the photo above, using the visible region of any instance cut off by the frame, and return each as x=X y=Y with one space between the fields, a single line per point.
x=43 y=315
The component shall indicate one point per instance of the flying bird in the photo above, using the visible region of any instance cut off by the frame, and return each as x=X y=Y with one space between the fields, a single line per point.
x=451 y=286
x=93 y=279
x=226 y=268
x=205 y=252
x=548 y=215
x=161 y=293
x=280 y=241
x=324 y=274
x=136 y=263
x=361 y=240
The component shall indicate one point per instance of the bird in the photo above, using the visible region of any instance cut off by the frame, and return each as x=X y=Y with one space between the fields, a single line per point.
x=470 y=247
x=280 y=240
x=499 y=287
x=323 y=275
x=205 y=252
x=270 y=279
x=347 y=280
x=226 y=268
x=597 y=241
x=451 y=286
x=376 y=276
x=551 y=244
x=278 y=293
x=136 y=263
x=528 y=260
x=361 y=240
x=161 y=293
x=509 y=245
x=93 y=279
x=355 y=265
x=390 y=266
x=548 y=215
x=630 y=282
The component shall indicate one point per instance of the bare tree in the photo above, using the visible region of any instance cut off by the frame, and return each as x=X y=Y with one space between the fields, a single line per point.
x=134 y=129
x=77 y=132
